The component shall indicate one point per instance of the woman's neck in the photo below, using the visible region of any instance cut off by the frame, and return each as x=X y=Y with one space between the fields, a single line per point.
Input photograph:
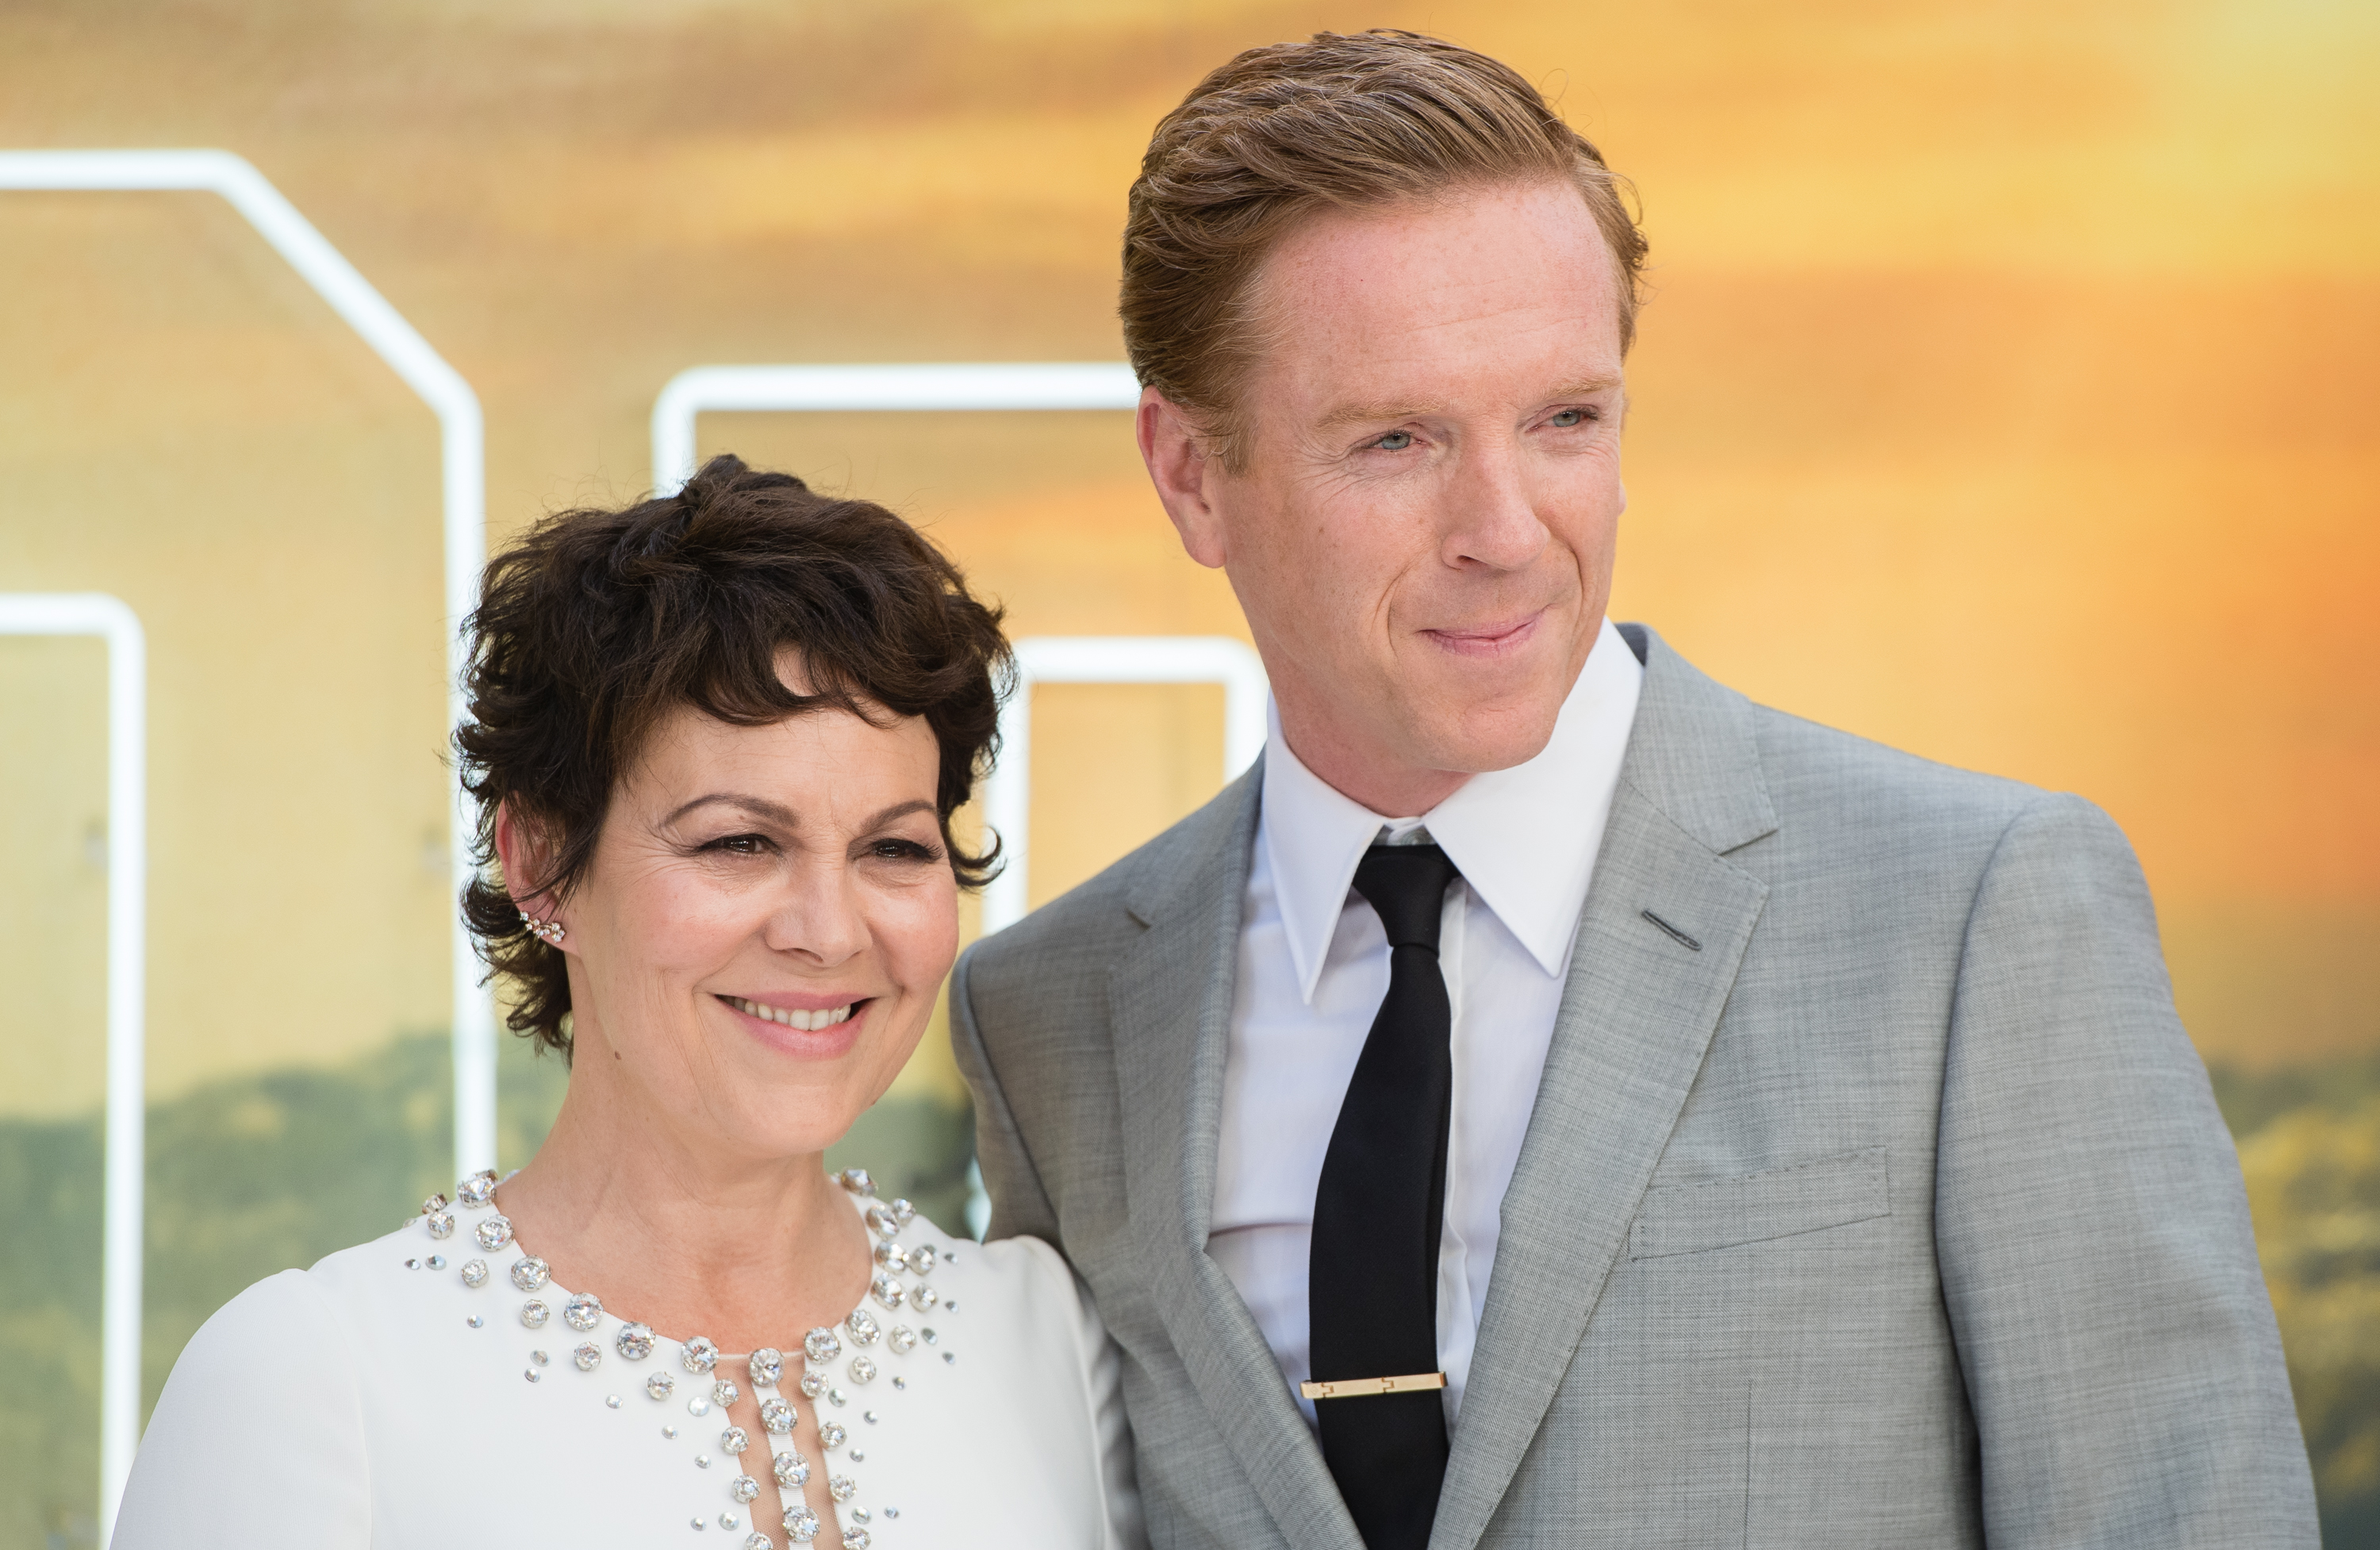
x=666 y=1227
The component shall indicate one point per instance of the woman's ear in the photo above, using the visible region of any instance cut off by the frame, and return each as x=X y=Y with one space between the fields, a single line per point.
x=522 y=850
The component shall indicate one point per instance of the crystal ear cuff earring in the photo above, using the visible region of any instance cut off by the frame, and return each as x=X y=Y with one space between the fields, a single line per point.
x=547 y=931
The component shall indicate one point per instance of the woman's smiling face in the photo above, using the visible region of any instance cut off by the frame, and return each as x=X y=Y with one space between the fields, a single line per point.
x=768 y=917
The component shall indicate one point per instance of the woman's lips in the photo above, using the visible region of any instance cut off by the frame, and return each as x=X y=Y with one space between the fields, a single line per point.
x=808 y=1019
x=818 y=1033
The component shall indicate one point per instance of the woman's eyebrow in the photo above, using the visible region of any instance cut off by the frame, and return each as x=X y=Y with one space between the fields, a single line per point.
x=900 y=810
x=761 y=807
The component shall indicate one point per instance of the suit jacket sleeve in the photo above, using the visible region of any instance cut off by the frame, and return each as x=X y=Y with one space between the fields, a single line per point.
x=2096 y=1260
x=1019 y=1205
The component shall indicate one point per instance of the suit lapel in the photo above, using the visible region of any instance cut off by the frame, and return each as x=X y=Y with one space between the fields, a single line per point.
x=1637 y=1016
x=1171 y=1007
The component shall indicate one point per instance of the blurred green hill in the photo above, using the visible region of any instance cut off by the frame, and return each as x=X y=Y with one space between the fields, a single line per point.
x=252 y=1175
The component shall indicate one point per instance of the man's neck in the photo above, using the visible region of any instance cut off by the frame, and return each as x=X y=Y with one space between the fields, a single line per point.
x=1383 y=784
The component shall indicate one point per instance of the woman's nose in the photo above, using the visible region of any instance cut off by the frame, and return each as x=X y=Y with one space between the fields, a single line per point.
x=819 y=919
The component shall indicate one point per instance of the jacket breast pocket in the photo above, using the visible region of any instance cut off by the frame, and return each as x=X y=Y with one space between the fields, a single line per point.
x=1780 y=1203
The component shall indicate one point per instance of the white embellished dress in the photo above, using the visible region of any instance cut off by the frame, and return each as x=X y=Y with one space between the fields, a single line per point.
x=435 y=1389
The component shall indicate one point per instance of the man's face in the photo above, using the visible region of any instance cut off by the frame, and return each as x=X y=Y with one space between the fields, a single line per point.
x=1421 y=536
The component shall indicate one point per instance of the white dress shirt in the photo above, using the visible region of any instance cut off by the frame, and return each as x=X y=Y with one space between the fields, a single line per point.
x=1314 y=967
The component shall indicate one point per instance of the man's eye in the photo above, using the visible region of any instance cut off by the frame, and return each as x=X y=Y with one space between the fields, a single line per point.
x=1564 y=420
x=1395 y=440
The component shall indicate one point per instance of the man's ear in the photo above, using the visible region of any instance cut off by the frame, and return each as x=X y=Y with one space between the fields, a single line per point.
x=1185 y=474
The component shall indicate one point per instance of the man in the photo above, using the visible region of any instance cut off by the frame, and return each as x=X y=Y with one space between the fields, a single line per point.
x=1552 y=1099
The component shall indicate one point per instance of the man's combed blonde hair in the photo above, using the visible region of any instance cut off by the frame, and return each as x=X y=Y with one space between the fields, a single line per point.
x=1346 y=121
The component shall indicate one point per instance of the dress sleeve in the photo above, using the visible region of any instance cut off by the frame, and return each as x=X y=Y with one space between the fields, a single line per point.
x=257 y=1442
x=1101 y=1369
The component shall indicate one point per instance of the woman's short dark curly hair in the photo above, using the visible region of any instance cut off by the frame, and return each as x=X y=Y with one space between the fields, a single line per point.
x=599 y=624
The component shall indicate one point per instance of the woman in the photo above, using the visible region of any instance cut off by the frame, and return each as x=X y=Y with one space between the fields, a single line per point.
x=716 y=742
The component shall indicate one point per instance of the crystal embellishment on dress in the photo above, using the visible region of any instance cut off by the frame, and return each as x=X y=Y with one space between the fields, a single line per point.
x=841 y=1487
x=440 y=1224
x=863 y=1326
x=766 y=1367
x=438 y=1261
x=699 y=1405
x=756 y=1541
x=475 y=1321
x=856 y=1180
x=477 y=1190
x=494 y=1232
x=635 y=1343
x=813 y=1386
x=776 y=1416
x=862 y=1370
x=891 y=1256
x=534 y=1313
x=589 y=1356
x=801 y=1523
x=900 y=1382
x=854 y=1539
x=837 y=1396
x=882 y=1222
x=583 y=1312
x=700 y=1355
x=538 y=1357
x=744 y=1488
x=821 y=1345
x=531 y=1373
x=611 y=1401
x=887 y=1292
x=702 y=1461
x=921 y=1259
x=924 y=1297
x=724 y=1391
x=790 y=1468
x=733 y=1440
x=903 y=1341
x=831 y=1436
x=729 y=1520
x=413 y=1264
x=660 y=1384
x=474 y=1273
x=530 y=1274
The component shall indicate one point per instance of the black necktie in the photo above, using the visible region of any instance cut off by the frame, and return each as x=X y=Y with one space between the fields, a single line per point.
x=1372 y=1282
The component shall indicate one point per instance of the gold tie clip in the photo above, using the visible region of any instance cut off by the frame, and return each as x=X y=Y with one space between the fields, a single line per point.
x=1356 y=1388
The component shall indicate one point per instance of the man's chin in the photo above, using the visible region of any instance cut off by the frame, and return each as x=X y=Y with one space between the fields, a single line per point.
x=1475 y=739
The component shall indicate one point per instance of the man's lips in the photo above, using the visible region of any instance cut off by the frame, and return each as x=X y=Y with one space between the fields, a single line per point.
x=1491 y=640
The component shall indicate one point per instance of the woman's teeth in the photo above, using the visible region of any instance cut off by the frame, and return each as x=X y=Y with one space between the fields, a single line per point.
x=809 y=1021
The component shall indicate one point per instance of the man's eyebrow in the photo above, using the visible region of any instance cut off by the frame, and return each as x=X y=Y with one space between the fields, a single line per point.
x=1359 y=414
x=1391 y=410
x=776 y=812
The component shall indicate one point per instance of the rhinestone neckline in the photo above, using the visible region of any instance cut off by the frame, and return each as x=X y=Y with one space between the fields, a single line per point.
x=583 y=1313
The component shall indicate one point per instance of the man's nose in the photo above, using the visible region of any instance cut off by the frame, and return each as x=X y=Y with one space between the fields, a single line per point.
x=1490 y=520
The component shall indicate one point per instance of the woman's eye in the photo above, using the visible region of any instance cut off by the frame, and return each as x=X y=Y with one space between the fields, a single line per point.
x=900 y=850
x=1395 y=440
x=740 y=844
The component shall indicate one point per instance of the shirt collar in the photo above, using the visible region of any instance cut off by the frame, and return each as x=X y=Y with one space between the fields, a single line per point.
x=1525 y=838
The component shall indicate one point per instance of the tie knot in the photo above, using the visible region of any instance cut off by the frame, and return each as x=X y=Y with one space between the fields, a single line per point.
x=1406 y=886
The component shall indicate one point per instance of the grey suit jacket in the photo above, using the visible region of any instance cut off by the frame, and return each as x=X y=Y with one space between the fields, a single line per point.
x=1893 y=1209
